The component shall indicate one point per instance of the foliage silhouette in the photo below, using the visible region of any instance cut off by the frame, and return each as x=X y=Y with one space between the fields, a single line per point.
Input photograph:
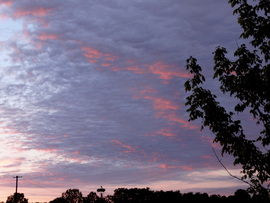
x=73 y=196
x=91 y=197
x=246 y=78
x=17 y=198
x=59 y=200
x=145 y=195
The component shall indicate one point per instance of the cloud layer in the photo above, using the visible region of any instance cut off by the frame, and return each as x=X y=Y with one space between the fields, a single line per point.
x=92 y=92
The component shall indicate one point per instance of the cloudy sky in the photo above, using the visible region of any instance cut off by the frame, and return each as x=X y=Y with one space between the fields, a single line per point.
x=92 y=94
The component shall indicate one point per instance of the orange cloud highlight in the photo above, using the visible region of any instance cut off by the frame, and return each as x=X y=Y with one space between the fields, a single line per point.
x=166 y=132
x=35 y=11
x=166 y=71
x=166 y=167
x=172 y=116
x=127 y=147
x=105 y=64
x=93 y=55
x=164 y=108
x=46 y=36
x=133 y=68
x=76 y=152
x=187 y=168
x=162 y=104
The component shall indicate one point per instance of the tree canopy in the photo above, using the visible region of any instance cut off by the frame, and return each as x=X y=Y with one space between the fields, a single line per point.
x=17 y=198
x=72 y=196
x=146 y=195
x=246 y=78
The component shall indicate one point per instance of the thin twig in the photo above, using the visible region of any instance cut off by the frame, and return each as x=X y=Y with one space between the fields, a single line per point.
x=219 y=160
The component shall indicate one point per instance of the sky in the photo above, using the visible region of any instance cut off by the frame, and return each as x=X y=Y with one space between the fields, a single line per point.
x=92 y=93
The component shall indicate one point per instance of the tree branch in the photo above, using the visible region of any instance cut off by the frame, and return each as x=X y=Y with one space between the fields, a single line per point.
x=219 y=160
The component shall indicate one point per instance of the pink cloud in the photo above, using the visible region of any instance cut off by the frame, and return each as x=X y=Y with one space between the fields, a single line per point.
x=11 y=162
x=76 y=152
x=166 y=132
x=9 y=130
x=166 y=167
x=158 y=103
x=110 y=57
x=50 y=150
x=93 y=55
x=6 y=2
x=130 y=65
x=139 y=94
x=33 y=11
x=3 y=16
x=163 y=166
x=46 y=36
x=187 y=168
x=167 y=71
x=105 y=64
x=164 y=108
x=164 y=71
x=148 y=90
x=127 y=148
x=133 y=68
x=162 y=103
x=49 y=179
x=172 y=116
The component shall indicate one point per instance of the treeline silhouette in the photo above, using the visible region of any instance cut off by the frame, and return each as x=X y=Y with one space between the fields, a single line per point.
x=145 y=195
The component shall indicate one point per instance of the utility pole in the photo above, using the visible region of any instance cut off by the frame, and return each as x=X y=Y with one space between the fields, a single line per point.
x=17 y=177
x=16 y=191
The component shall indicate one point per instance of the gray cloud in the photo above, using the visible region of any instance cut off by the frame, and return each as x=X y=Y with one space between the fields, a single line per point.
x=97 y=87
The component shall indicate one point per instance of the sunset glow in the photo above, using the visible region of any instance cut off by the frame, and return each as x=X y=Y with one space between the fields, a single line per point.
x=92 y=93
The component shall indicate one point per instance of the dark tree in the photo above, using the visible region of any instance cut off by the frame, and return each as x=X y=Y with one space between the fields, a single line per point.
x=73 y=196
x=168 y=196
x=242 y=196
x=133 y=195
x=214 y=198
x=91 y=197
x=17 y=198
x=59 y=200
x=145 y=195
x=246 y=78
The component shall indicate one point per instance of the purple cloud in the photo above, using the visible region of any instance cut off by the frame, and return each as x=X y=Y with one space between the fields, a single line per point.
x=93 y=91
